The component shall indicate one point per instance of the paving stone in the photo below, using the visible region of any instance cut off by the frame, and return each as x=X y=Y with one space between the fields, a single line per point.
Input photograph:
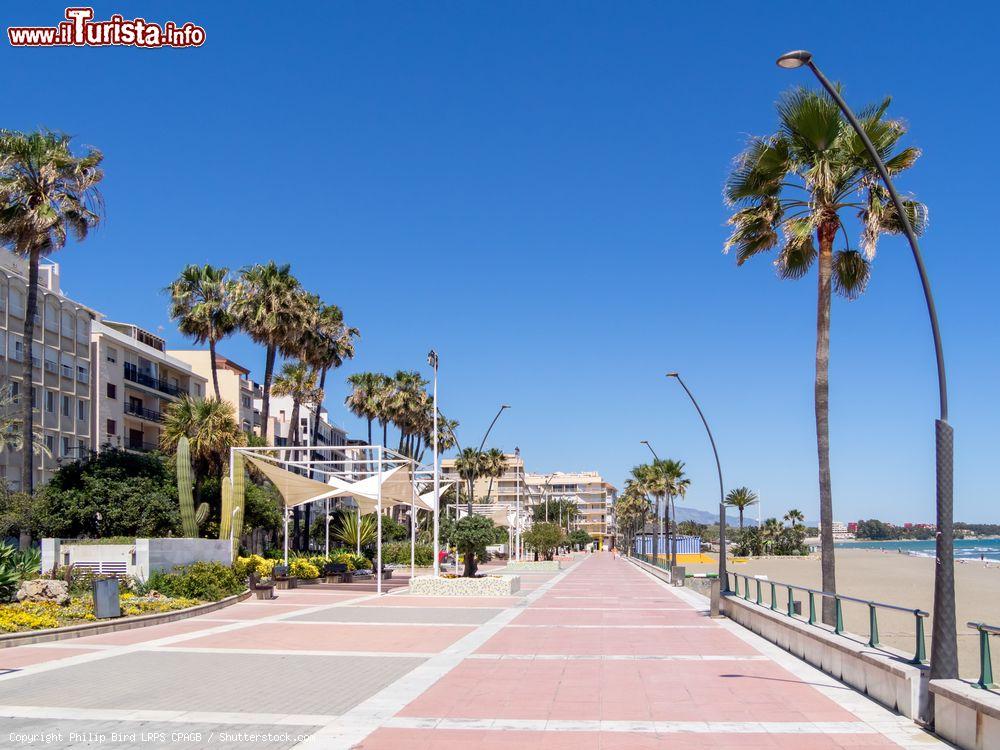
x=400 y=615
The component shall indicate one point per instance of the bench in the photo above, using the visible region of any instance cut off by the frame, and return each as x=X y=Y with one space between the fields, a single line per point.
x=281 y=578
x=337 y=572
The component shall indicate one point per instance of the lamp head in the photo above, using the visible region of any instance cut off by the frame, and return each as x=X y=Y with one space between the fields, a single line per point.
x=794 y=59
x=504 y=406
x=644 y=442
x=432 y=358
x=673 y=375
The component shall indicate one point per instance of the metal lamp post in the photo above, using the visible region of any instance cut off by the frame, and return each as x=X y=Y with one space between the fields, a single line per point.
x=671 y=538
x=944 y=641
x=723 y=576
x=659 y=518
x=432 y=360
x=517 y=502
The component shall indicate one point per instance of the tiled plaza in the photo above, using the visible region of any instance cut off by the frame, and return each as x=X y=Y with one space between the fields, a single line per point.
x=598 y=656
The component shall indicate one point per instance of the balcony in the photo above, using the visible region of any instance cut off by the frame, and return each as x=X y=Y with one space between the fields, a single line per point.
x=142 y=413
x=141 y=447
x=132 y=373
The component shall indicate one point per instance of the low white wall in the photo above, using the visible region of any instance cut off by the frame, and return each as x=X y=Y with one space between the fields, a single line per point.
x=534 y=565
x=485 y=586
x=138 y=559
x=966 y=716
x=887 y=678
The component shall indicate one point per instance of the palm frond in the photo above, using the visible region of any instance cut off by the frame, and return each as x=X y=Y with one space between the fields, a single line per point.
x=851 y=272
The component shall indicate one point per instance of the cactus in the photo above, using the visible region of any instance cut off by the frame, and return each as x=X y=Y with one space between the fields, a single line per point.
x=226 y=520
x=231 y=523
x=201 y=514
x=185 y=493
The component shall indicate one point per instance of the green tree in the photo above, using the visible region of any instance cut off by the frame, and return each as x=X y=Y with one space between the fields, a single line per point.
x=268 y=305
x=796 y=185
x=579 y=539
x=472 y=535
x=544 y=539
x=46 y=194
x=470 y=465
x=363 y=400
x=795 y=517
x=200 y=301
x=210 y=426
x=741 y=498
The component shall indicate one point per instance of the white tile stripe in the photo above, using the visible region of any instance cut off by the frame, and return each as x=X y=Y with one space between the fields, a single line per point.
x=289 y=652
x=351 y=728
x=146 y=715
x=366 y=623
x=615 y=657
x=657 y=727
x=614 y=627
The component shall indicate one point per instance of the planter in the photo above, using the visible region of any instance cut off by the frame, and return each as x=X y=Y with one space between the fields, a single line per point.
x=307 y=581
x=486 y=586
x=534 y=565
x=285 y=583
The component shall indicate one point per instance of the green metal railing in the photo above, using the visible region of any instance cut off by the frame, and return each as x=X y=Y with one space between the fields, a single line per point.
x=985 y=660
x=663 y=564
x=920 y=651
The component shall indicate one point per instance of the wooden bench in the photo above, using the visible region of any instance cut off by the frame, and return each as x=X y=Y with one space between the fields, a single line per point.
x=337 y=573
x=281 y=579
x=262 y=590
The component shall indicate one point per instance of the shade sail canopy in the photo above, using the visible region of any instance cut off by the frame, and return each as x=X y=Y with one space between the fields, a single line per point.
x=427 y=501
x=295 y=489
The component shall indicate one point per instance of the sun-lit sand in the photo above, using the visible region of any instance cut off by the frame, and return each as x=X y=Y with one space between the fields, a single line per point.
x=893 y=578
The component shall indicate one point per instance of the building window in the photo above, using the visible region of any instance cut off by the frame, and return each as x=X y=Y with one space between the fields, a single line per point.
x=67 y=365
x=112 y=427
x=65 y=447
x=81 y=410
x=17 y=348
x=67 y=406
x=51 y=359
x=112 y=390
x=83 y=373
x=17 y=303
x=50 y=401
x=34 y=397
x=50 y=444
x=51 y=317
x=3 y=340
x=112 y=355
x=15 y=391
x=67 y=325
x=83 y=329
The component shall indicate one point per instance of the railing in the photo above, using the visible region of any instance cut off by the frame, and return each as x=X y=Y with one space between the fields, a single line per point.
x=919 y=652
x=132 y=373
x=143 y=413
x=142 y=447
x=985 y=660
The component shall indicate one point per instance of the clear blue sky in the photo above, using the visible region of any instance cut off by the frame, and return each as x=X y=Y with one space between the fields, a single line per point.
x=534 y=189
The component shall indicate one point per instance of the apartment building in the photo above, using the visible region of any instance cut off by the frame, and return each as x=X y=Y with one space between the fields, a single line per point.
x=594 y=497
x=135 y=380
x=510 y=488
x=60 y=388
x=327 y=434
x=235 y=385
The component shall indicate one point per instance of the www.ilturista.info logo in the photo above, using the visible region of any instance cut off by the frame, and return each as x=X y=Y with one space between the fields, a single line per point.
x=80 y=30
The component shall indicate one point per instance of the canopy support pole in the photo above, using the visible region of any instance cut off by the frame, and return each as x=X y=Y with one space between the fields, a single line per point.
x=378 y=530
x=286 y=536
x=327 y=527
x=359 y=531
x=413 y=525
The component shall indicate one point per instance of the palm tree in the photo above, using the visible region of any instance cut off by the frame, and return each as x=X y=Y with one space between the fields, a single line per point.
x=200 y=300
x=675 y=484
x=770 y=532
x=494 y=467
x=407 y=401
x=795 y=518
x=741 y=498
x=469 y=466
x=650 y=481
x=268 y=306
x=298 y=381
x=46 y=194
x=631 y=511
x=363 y=400
x=211 y=429
x=329 y=343
x=795 y=185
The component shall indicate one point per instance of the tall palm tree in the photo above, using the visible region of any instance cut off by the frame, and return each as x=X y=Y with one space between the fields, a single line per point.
x=494 y=467
x=406 y=402
x=268 y=306
x=795 y=518
x=211 y=428
x=363 y=400
x=46 y=194
x=469 y=465
x=770 y=532
x=200 y=301
x=631 y=511
x=741 y=498
x=298 y=381
x=796 y=185
x=650 y=481
x=675 y=484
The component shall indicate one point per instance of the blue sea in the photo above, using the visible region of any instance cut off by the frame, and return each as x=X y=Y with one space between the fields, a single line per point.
x=965 y=549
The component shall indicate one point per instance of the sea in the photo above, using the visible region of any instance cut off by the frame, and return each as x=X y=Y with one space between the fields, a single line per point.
x=965 y=549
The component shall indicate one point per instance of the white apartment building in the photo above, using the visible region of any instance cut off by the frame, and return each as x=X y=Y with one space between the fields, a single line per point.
x=135 y=380
x=327 y=434
x=235 y=385
x=594 y=497
x=60 y=389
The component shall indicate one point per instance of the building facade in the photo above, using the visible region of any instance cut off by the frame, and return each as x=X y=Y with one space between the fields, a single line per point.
x=60 y=388
x=327 y=434
x=510 y=488
x=235 y=385
x=594 y=497
x=135 y=380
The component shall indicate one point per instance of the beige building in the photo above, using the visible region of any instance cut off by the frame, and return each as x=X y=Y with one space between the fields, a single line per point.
x=135 y=380
x=61 y=375
x=235 y=385
x=506 y=489
x=594 y=497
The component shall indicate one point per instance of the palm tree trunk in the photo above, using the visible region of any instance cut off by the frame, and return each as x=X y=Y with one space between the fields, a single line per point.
x=265 y=410
x=826 y=232
x=27 y=413
x=369 y=430
x=293 y=439
x=656 y=532
x=322 y=385
x=741 y=517
x=215 y=369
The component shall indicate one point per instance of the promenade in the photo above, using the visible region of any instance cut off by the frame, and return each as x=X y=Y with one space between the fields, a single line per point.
x=597 y=656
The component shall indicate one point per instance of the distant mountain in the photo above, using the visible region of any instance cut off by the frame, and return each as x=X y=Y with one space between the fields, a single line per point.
x=709 y=517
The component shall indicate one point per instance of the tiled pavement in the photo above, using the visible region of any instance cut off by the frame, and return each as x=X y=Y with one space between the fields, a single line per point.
x=599 y=656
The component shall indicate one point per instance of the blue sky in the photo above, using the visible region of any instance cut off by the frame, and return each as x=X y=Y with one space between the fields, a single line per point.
x=534 y=189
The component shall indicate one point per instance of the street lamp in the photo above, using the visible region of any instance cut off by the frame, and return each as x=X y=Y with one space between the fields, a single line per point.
x=517 y=501
x=944 y=641
x=328 y=519
x=723 y=575
x=432 y=360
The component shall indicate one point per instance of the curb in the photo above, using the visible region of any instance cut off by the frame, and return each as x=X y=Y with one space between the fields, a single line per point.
x=28 y=637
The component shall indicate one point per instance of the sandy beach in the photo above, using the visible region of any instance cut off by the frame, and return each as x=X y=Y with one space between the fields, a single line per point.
x=893 y=578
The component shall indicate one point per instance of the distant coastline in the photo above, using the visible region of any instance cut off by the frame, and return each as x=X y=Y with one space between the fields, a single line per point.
x=983 y=548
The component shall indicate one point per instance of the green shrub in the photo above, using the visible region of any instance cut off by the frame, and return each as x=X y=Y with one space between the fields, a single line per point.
x=207 y=581
x=398 y=553
x=300 y=567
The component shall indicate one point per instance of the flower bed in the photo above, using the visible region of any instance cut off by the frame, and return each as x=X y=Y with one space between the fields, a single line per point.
x=485 y=586
x=19 y=617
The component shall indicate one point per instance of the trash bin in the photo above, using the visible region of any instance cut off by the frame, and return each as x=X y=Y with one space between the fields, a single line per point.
x=107 y=598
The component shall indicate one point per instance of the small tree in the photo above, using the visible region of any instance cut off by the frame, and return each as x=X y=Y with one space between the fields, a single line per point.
x=580 y=539
x=544 y=538
x=472 y=534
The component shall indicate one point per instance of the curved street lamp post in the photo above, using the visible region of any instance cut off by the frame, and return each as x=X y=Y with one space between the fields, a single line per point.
x=944 y=641
x=723 y=576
